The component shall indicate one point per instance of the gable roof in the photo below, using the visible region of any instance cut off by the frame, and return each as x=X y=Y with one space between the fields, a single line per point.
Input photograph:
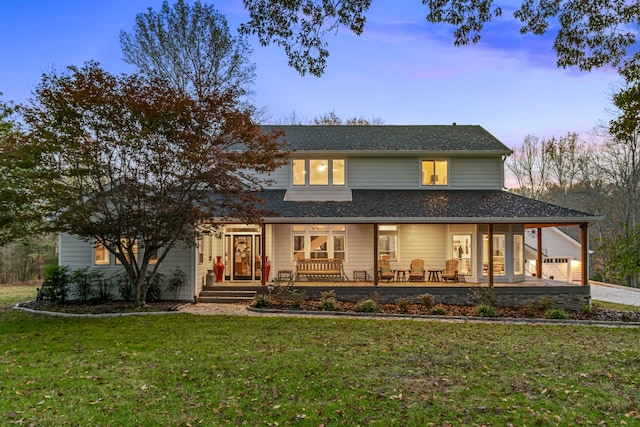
x=420 y=206
x=433 y=138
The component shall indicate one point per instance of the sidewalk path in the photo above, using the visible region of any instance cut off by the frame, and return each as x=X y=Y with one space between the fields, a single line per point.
x=614 y=293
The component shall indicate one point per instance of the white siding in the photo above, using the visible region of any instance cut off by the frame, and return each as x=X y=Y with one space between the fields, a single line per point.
x=483 y=173
x=78 y=254
x=383 y=173
x=422 y=241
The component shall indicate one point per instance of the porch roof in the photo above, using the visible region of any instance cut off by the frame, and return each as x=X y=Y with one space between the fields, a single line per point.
x=423 y=206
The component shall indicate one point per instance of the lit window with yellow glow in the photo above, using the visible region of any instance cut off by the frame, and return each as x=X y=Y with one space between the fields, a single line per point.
x=318 y=172
x=435 y=172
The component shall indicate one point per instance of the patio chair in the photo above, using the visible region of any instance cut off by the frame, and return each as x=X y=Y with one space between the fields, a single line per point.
x=416 y=272
x=384 y=270
x=450 y=271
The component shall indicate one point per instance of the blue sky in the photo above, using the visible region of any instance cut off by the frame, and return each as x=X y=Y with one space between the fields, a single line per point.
x=401 y=69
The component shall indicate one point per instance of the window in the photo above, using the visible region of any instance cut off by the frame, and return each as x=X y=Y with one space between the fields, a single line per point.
x=434 y=172
x=497 y=257
x=462 y=251
x=518 y=254
x=319 y=241
x=126 y=243
x=321 y=172
x=153 y=257
x=100 y=254
x=388 y=242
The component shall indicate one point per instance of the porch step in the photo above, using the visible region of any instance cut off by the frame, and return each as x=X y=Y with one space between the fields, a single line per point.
x=226 y=297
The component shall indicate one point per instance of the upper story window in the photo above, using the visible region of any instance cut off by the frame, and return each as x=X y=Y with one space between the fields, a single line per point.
x=318 y=172
x=435 y=172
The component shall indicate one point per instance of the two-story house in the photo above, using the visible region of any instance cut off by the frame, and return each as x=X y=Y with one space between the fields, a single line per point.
x=367 y=195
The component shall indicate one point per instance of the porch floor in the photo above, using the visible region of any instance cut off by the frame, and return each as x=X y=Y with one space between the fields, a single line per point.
x=531 y=281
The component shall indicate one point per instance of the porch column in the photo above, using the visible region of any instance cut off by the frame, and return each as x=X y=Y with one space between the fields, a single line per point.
x=490 y=257
x=539 y=254
x=584 y=246
x=375 y=254
x=263 y=250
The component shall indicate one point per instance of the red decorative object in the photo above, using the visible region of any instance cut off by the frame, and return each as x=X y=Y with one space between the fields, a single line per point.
x=267 y=268
x=219 y=268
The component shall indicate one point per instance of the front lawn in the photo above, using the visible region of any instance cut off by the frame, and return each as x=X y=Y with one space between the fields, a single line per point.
x=221 y=370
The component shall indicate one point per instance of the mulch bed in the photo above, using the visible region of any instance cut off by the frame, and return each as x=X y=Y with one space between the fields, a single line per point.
x=598 y=314
x=101 y=307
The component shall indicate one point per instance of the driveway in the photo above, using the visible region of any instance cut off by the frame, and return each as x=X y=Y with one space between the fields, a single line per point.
x=614 y=293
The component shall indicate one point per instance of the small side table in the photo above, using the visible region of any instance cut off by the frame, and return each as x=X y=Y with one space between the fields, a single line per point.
x=401 y=275
x=434 y=275
x=359 y=276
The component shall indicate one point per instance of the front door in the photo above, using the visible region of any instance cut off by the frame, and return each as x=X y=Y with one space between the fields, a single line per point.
x=243 y=257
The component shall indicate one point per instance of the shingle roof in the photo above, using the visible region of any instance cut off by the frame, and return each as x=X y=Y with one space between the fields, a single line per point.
x=438 y=138
x=425 y=206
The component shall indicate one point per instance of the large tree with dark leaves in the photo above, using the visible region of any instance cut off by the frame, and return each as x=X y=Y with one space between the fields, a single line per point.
x=588 y=33
x=19 y=214
x=132 y=162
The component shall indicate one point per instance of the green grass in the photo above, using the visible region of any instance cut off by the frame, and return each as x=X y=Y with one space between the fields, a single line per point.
x=616 y=306
x=219 y=370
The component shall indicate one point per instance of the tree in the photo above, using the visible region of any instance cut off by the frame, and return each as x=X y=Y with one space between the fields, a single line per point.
x=131 y=162
x=332 y=119
x=191 y=47
x=590 y=34
x=529 y=164
x=18 y=212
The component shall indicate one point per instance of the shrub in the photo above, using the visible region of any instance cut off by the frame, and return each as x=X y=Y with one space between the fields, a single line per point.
x=439 y=311
x=152 y=283
x=298 y=298
x=367 y=306
x=557 y=313
x=56 y=282
x=590 y=310
x=427 y=300
x=328 y=294
x=484 y=310
x=83 y=280
x=403 y=304
x=328 y=304
x=125 y=287
x=177 y=282
x=328 y=301
x=262 y=301
x=484 y=295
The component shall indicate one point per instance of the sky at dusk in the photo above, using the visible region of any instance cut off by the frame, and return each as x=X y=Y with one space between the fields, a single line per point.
x=401 y=70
